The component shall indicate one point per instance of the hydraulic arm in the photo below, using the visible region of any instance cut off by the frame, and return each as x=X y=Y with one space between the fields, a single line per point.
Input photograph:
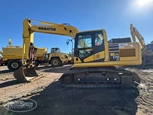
x=135 y=33
x=45 y=27
x=27 y=71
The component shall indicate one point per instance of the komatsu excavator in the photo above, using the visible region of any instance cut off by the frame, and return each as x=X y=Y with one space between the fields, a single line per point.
x=95 y=60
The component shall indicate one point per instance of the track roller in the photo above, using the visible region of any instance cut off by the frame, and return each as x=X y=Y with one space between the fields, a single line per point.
x=25 y=74
x=67 y=79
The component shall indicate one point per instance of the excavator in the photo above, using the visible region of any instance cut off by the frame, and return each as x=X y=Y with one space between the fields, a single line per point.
x=95 y=60
x=147 y=49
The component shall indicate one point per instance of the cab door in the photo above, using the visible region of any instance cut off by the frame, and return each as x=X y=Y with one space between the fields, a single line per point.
x=84 y=47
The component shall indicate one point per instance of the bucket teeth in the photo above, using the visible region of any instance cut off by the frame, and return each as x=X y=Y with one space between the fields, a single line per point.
x=25 y=74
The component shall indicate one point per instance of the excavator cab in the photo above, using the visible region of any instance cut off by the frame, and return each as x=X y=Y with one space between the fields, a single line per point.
x=87 y=44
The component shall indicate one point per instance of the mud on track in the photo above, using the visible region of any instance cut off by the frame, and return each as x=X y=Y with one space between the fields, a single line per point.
x=52 y=99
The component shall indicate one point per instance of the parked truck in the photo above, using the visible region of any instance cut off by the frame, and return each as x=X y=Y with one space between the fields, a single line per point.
x=12 y=55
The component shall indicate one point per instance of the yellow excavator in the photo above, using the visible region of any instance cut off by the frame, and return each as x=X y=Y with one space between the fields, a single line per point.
x=147 y=49
x=95 y=60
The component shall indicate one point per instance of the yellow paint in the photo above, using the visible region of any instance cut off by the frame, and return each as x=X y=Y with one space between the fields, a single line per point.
x=111 y=63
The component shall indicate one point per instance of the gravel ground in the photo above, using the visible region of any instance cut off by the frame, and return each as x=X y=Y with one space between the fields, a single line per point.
x=52 y=99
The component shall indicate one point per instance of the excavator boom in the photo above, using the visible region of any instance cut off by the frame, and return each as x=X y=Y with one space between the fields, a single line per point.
x=27 y=71
x=44 y=27
x=135 y=33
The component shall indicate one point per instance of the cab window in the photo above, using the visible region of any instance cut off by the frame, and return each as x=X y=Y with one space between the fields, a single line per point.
x=84 y=41
x=99 y=39
x=55 y=50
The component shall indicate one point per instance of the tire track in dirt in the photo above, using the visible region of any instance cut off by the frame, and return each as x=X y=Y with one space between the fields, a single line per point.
x=12 y=89
x=145 y=98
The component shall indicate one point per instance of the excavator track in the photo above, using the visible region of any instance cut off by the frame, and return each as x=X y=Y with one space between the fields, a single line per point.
x=99 y=77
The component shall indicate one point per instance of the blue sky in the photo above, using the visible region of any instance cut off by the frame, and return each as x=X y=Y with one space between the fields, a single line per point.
x=115 y=16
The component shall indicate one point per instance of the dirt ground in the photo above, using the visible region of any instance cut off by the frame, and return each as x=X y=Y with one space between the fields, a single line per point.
x=52 y=99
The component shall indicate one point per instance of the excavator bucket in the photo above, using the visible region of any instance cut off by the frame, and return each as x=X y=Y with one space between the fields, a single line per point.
x=25 y=74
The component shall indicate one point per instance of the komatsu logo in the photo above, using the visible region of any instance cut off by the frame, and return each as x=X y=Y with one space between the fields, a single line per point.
x=43 y=28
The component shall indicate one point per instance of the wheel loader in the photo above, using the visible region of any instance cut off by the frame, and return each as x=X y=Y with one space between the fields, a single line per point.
x=95 y=60
x=55 y=58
